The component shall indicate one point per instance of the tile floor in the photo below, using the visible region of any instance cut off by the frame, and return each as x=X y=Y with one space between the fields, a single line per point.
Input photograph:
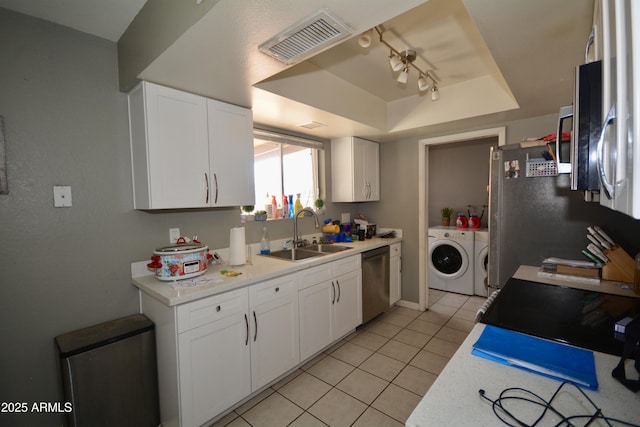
x=373 y=377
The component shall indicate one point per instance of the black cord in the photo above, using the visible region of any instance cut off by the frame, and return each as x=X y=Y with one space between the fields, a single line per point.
x=500 y=404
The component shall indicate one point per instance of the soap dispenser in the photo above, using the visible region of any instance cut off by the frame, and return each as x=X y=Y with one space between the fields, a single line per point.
x=265 y=246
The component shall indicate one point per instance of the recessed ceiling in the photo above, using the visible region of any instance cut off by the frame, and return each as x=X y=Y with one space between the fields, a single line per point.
x=495 y=60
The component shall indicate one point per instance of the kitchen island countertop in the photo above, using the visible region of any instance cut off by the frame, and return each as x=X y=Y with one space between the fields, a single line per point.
x=454 y=398
x=260 y=268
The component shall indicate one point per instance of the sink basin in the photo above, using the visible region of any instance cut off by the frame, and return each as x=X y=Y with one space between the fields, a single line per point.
x=326 y=248
x=296 y=255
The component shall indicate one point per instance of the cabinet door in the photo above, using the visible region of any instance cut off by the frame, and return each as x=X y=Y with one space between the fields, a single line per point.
x=177 y=154
x=274 y=329
x=372 y=171
x=230 y=154
x=214 y=368
x=316 y=318
x=348 y=303
x=360 y=170
x=395 y=274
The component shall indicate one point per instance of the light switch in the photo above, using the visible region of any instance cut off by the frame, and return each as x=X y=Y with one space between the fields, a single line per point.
x=62 y=196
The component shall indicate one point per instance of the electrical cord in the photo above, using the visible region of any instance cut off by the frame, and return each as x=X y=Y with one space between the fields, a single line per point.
x=507 y=417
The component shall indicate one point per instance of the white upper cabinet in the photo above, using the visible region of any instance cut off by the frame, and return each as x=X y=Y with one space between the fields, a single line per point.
x=618 y=149
x=355 y=170
x=188 y=151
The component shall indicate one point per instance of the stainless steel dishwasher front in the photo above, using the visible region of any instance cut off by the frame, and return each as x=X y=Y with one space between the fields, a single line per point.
x=375 y=282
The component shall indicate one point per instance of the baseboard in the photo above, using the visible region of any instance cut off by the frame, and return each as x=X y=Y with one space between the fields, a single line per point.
x=408 y=304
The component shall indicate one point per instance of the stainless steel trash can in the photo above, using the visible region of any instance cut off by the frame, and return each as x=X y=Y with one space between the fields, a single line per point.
x=109 y=373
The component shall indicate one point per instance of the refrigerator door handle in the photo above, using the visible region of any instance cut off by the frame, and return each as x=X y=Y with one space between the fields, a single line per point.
x=566 y=112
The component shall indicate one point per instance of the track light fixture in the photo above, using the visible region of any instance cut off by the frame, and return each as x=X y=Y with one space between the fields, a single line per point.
x=403 y=61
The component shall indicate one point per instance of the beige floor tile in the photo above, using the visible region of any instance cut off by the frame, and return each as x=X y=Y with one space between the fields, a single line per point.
x=385 y=329
x=468 y=315
x=305 y=390
x=330 y=370
x=226 y=420
x=286 y=379
x=396 y=319
x=430 y=362
x=460 y=324
x=307 y=420
x=238 y=422
x=453 y=300
x=414 y=338
x=399 y=351
x=254 y=401
x=313 y=361
x=453 y=335
x=406 y=311
x=415 y=380
x=443 y=310
x=370 y=340
x=337 y=409
x=435 y=295
x=442 y=347
x=273 y=411
x=382 y=366
x=352 y=353
x=424 y=327
x=362 y=385
x=334 y=347
x=396 y=402
x=474 y=303
x=372 y=417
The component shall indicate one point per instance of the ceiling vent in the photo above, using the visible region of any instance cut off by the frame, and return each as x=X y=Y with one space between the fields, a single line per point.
x=300 y=41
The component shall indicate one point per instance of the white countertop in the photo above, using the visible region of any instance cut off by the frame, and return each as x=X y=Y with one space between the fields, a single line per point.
x=261 y=268
x=453 y=399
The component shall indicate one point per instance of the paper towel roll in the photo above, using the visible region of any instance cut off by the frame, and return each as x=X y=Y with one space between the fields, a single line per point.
x=237 y=247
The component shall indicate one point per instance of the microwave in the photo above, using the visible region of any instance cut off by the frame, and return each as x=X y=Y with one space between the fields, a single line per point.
x=586 y=113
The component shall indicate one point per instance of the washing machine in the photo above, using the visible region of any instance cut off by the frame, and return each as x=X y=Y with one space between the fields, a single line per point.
x=451 y=259
x=481 y=262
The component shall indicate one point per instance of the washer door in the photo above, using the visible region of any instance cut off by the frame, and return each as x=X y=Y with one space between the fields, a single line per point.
x=483 y=259
x=447 y=259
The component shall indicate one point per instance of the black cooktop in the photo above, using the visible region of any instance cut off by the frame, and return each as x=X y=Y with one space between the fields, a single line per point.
x=581 y=318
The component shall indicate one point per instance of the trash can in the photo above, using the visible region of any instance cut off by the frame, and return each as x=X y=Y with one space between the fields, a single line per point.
x=109 y=373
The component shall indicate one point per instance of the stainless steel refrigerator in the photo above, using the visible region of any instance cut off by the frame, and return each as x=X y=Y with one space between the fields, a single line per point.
x=532 y=218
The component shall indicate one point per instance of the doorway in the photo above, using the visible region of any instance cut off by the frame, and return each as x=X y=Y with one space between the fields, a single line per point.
x=423 y=203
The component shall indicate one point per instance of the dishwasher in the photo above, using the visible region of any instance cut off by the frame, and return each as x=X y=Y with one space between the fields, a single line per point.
x=375 y=282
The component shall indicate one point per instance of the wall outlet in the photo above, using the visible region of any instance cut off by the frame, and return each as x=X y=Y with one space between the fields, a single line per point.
x=174 y=235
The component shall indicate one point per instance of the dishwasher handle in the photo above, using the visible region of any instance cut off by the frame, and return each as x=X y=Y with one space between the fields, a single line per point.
x=383 y=250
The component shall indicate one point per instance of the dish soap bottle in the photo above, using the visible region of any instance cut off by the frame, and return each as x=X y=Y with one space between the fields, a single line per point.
x=291 y=206
x=274 y=207
x=265 y=247
x=285 y=207
x=297 y=207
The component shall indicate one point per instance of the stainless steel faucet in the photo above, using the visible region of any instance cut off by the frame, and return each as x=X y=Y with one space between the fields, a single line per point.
x=296 y=238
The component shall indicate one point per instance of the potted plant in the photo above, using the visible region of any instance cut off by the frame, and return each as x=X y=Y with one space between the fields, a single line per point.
x=261 y=215
x=446 y=215
x=319 y=204
x=246 y=213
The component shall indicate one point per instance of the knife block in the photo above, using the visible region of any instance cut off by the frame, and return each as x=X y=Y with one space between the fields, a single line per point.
x=620 y=267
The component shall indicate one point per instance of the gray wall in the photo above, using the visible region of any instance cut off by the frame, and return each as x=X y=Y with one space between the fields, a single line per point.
x=62 y=269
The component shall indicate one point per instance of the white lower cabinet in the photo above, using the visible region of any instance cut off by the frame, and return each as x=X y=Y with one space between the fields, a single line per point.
x=395 y=273
x=214 y=352
x=330 y=303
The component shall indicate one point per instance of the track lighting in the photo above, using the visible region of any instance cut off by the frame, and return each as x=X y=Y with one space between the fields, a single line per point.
x=404 y=75
x=403 y=61
x=435 y=93
x=423 y=84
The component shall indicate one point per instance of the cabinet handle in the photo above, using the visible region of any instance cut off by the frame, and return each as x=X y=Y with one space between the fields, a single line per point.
x=333 y=293
x=218 y=308
x=255 y=322
x=246 y=322
x=607 y=187
x=206 y=180
x=590 y=40
x=339 y=291
x=278 y=289
x=215 y=179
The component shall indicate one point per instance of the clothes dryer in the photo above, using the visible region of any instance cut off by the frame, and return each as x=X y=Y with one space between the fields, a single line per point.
x=481 y=262
x=451 y=259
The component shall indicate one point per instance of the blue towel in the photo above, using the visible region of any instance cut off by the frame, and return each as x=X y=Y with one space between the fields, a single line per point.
x=558 y=361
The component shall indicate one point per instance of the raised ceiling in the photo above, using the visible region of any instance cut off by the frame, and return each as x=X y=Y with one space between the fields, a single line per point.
x=495 y=60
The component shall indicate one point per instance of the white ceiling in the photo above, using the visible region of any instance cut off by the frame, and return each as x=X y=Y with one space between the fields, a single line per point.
x=495 y=60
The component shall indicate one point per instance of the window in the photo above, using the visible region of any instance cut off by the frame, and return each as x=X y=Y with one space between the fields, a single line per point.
x=285 y=165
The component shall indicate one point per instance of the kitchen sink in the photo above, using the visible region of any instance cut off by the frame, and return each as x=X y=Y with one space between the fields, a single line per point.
x=296 y=255
x=326 y=248
x=308 y=251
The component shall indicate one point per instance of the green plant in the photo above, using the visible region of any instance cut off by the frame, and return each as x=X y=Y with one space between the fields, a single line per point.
x=446 y=212
x=247 y=209
x=318 y=203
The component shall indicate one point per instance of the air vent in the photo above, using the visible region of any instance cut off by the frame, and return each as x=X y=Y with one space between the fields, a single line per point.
x=300 y=41
x=312 y=125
